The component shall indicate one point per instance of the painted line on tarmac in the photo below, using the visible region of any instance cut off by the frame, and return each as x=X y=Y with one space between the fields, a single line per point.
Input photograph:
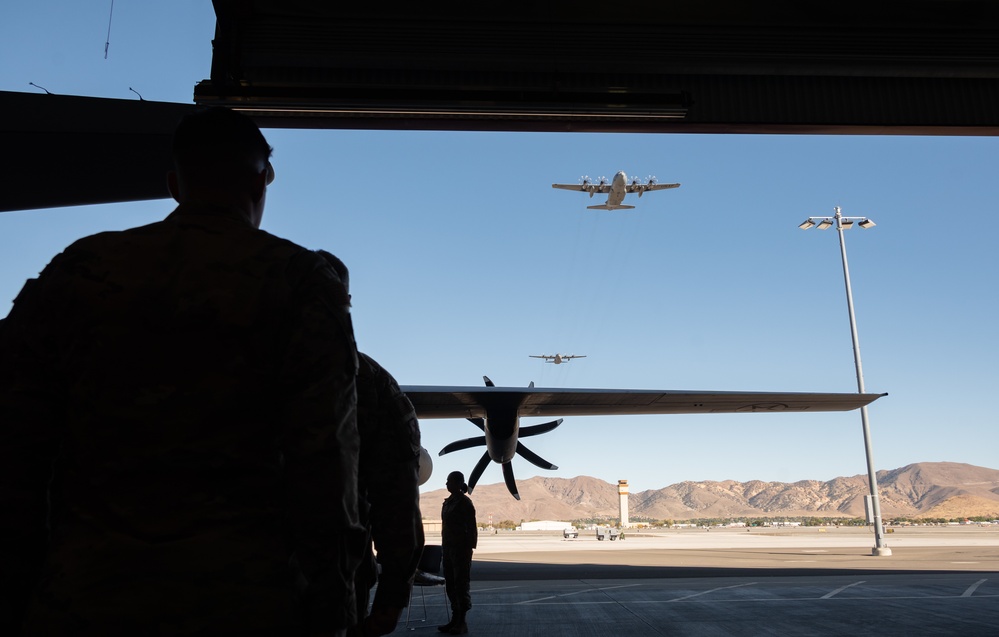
x=720 y=588
x=839 y=590
x=588 y=590
x=496 y=588
x=971 y=589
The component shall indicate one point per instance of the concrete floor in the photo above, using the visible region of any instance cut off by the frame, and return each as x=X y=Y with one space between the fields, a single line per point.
x=938 y=581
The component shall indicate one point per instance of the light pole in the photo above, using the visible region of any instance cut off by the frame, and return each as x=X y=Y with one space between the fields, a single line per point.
x=845 y=223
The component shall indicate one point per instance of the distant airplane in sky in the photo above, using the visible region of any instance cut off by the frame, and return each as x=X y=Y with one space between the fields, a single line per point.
x=558 y=359
x=620 y=186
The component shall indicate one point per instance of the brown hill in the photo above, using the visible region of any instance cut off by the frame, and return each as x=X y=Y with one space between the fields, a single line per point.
x=926 y=489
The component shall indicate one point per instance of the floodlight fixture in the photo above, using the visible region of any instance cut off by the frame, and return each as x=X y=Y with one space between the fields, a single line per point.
x=845 y=224
x=806 y=224
x=866 y=223
x=825 y=224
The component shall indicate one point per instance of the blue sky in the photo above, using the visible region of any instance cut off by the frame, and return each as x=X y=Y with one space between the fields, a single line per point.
x=464 y=261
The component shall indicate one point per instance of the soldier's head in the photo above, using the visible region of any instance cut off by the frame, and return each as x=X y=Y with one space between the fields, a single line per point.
x=221 y=157
x=456 y=482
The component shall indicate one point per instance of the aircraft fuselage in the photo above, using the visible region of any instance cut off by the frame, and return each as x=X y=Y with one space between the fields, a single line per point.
x=618 y=189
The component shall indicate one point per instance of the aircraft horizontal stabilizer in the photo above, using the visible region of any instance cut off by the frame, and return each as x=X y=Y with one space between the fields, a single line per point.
x=606 y=206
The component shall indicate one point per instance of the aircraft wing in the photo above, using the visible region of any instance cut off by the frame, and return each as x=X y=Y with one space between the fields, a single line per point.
x=632 y=188
x=475 y=402
x=590 y=188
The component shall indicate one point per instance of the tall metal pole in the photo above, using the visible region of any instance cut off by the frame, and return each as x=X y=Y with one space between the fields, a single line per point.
x=880 y=547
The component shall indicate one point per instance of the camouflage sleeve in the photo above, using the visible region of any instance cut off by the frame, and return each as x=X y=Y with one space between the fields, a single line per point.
x=320 y=444
x=31 y=404
x=391 y=478
x=471 y=528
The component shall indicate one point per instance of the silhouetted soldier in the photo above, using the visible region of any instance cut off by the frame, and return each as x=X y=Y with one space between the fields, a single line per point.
x=390 y=495
x=459 y=536
x=388 y=485
x=179 y=419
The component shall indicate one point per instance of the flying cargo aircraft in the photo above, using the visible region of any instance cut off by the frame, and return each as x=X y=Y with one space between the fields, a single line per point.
x=620 y=186
x=496 y=411
x=558 y=359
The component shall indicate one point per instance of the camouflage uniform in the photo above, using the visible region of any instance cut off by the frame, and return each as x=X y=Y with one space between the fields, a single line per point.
x=459 y=536
x=183 y=394
x=389 y=486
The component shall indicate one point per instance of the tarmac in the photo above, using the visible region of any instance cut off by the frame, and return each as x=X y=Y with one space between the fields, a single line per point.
x=792 y=581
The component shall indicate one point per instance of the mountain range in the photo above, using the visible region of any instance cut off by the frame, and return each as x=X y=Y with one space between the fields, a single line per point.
x=921 y=490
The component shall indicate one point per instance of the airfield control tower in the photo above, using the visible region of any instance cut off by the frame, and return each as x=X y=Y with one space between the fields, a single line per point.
x=622 y=492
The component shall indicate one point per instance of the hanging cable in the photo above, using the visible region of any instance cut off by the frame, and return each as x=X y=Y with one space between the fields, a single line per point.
x=107 y=42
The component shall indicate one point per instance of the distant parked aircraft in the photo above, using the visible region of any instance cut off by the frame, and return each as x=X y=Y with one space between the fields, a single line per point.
x=615 y=190
x=558 y=359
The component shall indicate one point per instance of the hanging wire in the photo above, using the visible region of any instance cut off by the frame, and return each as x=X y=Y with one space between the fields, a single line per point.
x=107 y=42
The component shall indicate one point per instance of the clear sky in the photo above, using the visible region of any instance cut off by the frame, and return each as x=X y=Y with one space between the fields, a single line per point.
x=464 y=261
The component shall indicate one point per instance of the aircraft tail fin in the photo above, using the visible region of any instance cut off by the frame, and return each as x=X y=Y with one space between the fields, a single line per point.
x=606 y=206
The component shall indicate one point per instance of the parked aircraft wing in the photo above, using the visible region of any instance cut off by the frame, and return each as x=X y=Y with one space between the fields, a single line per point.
x=475 y=402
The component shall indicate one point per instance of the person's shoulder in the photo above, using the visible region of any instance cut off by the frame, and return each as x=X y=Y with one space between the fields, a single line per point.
x=99 y=240
x=375 y=372
x=282 y=245
x=308 y=268
x=95 y=247
x=369 y=367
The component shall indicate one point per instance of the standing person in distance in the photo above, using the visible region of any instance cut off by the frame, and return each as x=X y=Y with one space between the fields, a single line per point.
x=459 y=536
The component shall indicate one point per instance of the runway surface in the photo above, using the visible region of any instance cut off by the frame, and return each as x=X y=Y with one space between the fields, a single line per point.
x=938 y=581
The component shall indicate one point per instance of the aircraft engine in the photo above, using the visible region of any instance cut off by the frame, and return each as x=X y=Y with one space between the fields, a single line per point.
x=520 y=450
x=502 y=443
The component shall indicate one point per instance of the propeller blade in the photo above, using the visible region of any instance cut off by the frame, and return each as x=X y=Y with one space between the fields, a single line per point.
x=467 y=443
x=535 y=430
x=478 y=422
x=480 y=466
x=511 y=484
x=534 y=458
